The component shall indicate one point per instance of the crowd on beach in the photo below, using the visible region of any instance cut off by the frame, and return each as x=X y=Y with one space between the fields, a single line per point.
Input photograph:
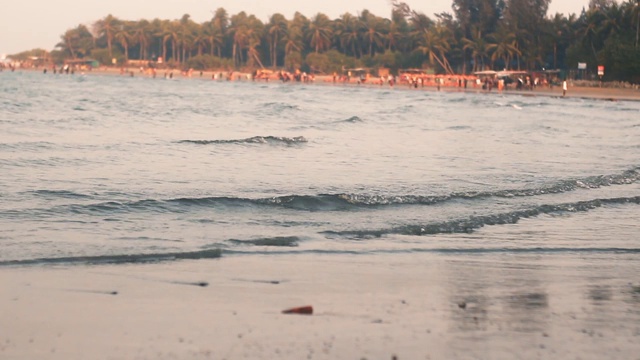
x=521 y=81
x=408 y=79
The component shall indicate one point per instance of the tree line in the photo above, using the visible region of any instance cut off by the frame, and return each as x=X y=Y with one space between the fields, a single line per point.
x=477 y=35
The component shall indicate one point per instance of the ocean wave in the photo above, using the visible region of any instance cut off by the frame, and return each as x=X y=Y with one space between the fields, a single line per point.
x=285 y=241
x=319 y=202
x=28 y=146
x=471 y=224
x=271 y=140
x=279 y=107
x=59 y=194
x=117 y=259
x=351 y=120
x=446 y=251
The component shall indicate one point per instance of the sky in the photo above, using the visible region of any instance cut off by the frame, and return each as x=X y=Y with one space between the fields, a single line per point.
x=25 y=25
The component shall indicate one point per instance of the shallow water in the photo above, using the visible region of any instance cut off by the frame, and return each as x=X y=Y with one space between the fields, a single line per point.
x=103 y=169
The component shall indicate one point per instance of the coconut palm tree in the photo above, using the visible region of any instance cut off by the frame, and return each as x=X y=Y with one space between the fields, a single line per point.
x=214 y=37
x=220 y=23
x=107 y=27
x=141 y=36
x=478 y=47
x=393 y=36
x=77 y=41
x=124 y=36
x=348 y=30
x=320 y=32
x=434 y=45
x=503 y=46
x=238 y=32
x=372 y=30
x=276 y=30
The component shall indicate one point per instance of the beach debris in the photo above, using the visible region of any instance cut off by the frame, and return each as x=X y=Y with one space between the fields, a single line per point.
x=462 y=305
x=303 y=310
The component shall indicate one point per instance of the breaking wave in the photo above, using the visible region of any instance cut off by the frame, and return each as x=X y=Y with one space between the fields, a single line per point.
x=271 y=140
x=289 y=241
x=118 y=259
x=353 y=119
x=320 y=202
x=471 y=224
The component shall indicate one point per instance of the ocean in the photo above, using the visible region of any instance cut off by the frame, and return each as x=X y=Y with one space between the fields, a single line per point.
x=109 y=169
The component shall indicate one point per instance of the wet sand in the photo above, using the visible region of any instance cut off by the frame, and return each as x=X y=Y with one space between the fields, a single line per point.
x=411 y=306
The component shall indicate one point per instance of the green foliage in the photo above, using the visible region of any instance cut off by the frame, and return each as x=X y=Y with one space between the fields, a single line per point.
x=317 y=63
x=621 y=60
x=103 y=57
x=57 y=56
x=330 y=62
x=484 y=34
x=208 y=62
x=30 y=54
x=293 y=61
x=77 y=42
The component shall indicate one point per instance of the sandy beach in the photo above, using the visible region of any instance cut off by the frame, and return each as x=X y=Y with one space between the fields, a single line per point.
x=404 y=306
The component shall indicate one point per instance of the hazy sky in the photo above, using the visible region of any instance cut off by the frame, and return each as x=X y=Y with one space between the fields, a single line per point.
x=25 y=24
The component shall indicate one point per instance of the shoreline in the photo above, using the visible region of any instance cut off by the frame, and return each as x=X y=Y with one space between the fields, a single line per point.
x=574 y=92
x=411 y=306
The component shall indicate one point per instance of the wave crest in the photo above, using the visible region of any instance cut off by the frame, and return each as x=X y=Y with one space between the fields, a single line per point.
x=118 y=259
x=271 y=140
x=473 y=223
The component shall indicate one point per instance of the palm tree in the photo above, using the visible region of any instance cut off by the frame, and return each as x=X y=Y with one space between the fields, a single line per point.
x=78 y=41
x=588 y=30
x=123 y=36
x=434 y=46
x=478 y=47
x=174 y=36
x=348 y=29
x=187 y=36
x=373 y=34
x=107 y=27
x=503 y=46
x=276 y=30
x=200 y=39
x=163 y=33
x=220 y=24
x=320 y=32
x=213 y=36
x=67 y=43
x=238 y=33
x=293 y=40
x=393 y=36
x=255 y=29
x=141 y=35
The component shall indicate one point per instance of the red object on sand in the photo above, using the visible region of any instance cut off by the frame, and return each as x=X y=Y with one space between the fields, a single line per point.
x=306 y=310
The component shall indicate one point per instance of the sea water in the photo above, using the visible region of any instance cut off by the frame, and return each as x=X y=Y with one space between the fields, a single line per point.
x=109 y=169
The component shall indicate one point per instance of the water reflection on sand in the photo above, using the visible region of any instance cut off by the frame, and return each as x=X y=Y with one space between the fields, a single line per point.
x=530 y=304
